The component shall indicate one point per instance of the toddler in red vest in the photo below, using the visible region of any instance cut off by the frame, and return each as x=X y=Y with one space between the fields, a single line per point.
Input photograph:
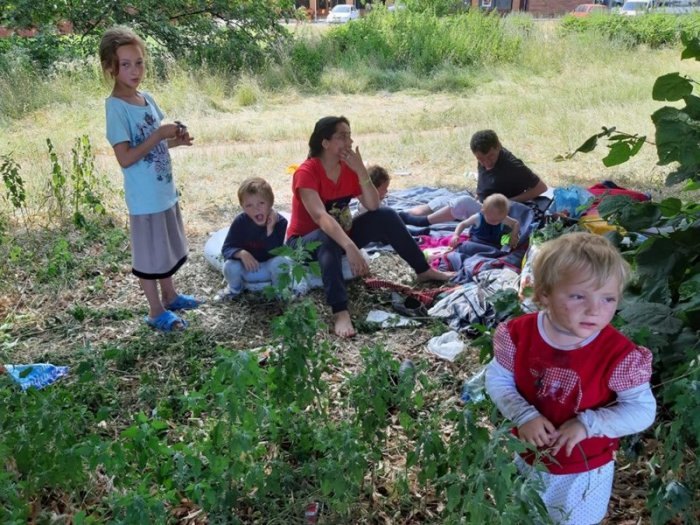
x=571 y=383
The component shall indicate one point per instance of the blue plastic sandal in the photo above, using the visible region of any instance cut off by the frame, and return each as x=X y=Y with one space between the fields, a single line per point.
x=166 y=322
x=184 y=302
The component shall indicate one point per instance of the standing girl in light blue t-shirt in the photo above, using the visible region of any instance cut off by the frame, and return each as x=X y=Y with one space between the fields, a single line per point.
x=141 y=143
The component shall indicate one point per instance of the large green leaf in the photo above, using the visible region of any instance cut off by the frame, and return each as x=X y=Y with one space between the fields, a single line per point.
x=639 y=216
x=671 y=87
x=656 y=291
x=658 y=258
x=657 y=317
x=589 y=145
x=687 y=240
x=677 y=137
x=692 y=106
x=692 y=47
x=690 y=289
x=620 y=152
x=613 y=204
x=670 y=207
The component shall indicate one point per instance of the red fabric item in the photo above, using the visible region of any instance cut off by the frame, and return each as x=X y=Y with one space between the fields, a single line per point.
x=335 y=196
x=563 y=383
x=599 y=190
x=424 y=296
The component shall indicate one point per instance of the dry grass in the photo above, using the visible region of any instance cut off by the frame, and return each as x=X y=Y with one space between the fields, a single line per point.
x=539 y=111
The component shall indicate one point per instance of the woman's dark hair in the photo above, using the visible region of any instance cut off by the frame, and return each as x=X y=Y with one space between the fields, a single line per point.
x=323 y=130
x=483 y=141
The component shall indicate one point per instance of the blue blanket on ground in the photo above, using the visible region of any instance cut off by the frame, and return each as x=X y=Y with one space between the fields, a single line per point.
x=471 y=257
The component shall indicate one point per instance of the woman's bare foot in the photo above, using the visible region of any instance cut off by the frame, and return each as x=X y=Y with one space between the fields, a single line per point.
x=435 y=275
x=343 y=324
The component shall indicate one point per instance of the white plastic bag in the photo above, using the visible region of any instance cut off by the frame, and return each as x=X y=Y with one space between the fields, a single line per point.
x=446 y=346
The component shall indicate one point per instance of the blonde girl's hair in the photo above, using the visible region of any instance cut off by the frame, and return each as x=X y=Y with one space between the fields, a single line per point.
x=577 y=256
x=256 y=186
x=497 y=202
x=113 y=39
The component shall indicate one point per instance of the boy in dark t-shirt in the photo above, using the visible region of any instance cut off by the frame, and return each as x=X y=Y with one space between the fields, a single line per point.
x=251 y=237
x=499 y=171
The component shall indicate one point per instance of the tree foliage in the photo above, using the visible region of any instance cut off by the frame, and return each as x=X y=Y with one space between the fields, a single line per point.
x=234 y=33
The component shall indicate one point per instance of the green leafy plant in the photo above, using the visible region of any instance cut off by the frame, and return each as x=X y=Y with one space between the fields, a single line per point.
x=14 y=184
x=58 y=179
x=87 y=184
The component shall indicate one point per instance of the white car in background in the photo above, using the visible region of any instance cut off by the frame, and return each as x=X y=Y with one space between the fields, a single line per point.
x=342 y=14
x=635 y=7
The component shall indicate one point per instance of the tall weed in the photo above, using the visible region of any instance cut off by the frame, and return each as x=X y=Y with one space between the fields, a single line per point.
x=422 y=42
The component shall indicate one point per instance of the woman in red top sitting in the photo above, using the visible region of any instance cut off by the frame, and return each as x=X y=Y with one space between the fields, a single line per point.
x=322 y=188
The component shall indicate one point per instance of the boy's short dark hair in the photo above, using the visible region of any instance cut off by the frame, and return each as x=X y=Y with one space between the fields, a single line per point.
x=484 y=141
x=255 y=186
x=378 y=175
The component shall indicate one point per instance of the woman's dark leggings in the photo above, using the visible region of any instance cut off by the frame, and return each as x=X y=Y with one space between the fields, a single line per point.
x=383 y=225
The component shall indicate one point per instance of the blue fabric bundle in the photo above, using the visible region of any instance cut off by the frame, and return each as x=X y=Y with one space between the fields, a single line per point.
x=38 y=375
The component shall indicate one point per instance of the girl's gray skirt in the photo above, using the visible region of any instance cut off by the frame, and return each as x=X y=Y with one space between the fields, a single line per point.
x=158 y=244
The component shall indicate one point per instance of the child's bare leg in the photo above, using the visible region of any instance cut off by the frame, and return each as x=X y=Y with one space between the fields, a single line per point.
x=435 y=275
x=150 y=290
x=441 y=215
x=167 y=290
x=343 y=324
x=422 y=209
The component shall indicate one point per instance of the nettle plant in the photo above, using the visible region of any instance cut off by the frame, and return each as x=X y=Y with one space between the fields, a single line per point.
x=662 y=306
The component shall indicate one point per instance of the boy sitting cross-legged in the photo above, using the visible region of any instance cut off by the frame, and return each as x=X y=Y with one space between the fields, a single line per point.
x=251 y=237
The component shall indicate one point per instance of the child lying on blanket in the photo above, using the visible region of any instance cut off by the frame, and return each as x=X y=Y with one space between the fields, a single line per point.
x=488 y=225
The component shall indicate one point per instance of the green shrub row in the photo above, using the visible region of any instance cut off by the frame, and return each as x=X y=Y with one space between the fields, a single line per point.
x=381 y=51
x=653 y=29
x=421 y=42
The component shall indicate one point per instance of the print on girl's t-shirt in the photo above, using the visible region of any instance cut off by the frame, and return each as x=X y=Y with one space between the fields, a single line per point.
x=158 y=155
x=339 y=209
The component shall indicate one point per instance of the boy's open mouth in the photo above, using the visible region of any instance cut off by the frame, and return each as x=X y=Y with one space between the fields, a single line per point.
x=260 y=217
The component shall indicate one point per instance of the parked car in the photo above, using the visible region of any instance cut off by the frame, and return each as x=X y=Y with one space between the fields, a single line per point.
x=342 y=14
x=583 y=10
x=635 y=7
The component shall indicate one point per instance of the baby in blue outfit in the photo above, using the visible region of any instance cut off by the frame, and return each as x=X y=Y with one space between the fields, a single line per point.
x=488 y=225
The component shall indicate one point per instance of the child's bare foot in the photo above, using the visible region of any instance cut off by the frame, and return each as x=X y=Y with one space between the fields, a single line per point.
x=343 y=324
x=435 y=275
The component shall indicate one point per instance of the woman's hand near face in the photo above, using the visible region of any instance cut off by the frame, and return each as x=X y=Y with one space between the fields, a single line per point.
x=354 y=161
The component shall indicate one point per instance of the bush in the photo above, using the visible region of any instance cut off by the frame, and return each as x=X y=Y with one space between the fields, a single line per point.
x=422 y=41
x=653 y=29
x=307 y=60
